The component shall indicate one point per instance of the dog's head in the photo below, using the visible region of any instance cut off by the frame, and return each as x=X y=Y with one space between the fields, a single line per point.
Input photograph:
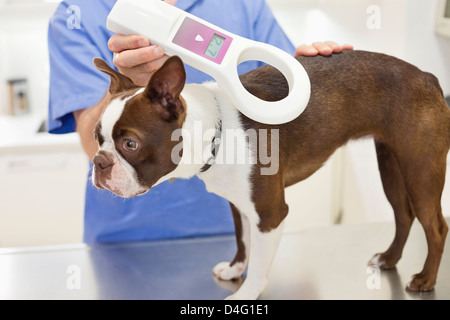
x=134 y=133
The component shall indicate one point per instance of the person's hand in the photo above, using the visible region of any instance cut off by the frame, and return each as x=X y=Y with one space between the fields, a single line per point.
x=135 y=57
x=323 y=48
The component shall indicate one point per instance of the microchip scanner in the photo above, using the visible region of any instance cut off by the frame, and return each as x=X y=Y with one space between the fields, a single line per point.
x=216 y=52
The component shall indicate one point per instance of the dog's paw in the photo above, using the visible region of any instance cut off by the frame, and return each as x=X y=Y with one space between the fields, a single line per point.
x=420 y=283
x=224 y=271
x=383 y=261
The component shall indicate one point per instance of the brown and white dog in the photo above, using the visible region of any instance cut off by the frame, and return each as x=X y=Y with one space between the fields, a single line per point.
x=146 y=135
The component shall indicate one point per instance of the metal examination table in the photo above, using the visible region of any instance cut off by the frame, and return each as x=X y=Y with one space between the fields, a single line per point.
x=322 y=263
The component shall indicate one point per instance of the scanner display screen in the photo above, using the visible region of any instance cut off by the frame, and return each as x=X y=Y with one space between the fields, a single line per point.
x=214 y=46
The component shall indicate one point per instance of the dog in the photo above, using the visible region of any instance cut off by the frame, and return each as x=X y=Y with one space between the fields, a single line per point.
x=354 y=94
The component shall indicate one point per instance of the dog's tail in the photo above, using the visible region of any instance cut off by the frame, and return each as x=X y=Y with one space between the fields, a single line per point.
x=435 y=82
x=448 y=123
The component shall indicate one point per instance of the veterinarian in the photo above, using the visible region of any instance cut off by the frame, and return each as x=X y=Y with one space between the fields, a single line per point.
x=78 y=94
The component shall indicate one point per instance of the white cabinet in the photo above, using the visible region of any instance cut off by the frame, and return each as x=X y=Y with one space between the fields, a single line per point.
x=42 y=194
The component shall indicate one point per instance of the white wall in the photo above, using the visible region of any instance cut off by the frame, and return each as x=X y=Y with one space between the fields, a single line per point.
x=403 y=28
x=3 y=91
x=24 y=53
x=344 y=21
x=406 y=28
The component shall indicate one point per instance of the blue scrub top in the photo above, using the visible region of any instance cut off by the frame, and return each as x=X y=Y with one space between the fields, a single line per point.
x=77 y=34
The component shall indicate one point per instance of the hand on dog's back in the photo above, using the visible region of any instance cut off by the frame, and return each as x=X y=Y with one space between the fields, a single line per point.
x=323 y=48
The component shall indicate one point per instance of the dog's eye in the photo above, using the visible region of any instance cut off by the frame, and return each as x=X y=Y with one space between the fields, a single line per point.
x=130 y=145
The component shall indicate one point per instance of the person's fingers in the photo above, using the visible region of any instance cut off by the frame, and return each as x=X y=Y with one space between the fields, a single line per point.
x=335 y=47
x=347 y=47
x=140 y=74
x=136 y=57
x=306 y=50
x=119 y=42
x=172 y=2
x=324 y=48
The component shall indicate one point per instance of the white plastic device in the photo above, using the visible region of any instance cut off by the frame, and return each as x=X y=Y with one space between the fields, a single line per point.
x=216 y=52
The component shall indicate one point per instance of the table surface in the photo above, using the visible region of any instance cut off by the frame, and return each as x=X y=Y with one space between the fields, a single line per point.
x=323 y=263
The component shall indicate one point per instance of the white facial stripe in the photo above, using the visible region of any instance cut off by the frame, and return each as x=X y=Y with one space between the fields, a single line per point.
x=123 y=176
x=110 y=117
x=112 y=114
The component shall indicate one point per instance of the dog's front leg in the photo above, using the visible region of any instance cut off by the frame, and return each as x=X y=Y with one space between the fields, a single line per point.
x=263 y=246
x=235 y=269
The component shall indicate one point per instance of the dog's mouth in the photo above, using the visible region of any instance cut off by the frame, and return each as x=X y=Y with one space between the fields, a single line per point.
x=96 y=181
x=103 y=183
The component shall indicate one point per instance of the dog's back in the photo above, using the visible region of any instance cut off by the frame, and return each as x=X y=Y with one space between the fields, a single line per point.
x=355 y=94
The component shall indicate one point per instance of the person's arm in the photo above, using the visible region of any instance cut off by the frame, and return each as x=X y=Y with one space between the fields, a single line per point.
x=86 y=120
x=75 y=83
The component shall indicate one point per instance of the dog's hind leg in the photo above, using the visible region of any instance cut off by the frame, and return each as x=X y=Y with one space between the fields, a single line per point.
x=425 y=178
x=395 y=191
x=234 y=269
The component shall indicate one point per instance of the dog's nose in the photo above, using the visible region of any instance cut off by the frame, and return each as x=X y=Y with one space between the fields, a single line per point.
x=102 y=162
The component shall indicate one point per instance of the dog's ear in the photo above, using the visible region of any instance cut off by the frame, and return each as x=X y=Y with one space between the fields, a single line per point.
x=165 y=86
x=119 y=82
